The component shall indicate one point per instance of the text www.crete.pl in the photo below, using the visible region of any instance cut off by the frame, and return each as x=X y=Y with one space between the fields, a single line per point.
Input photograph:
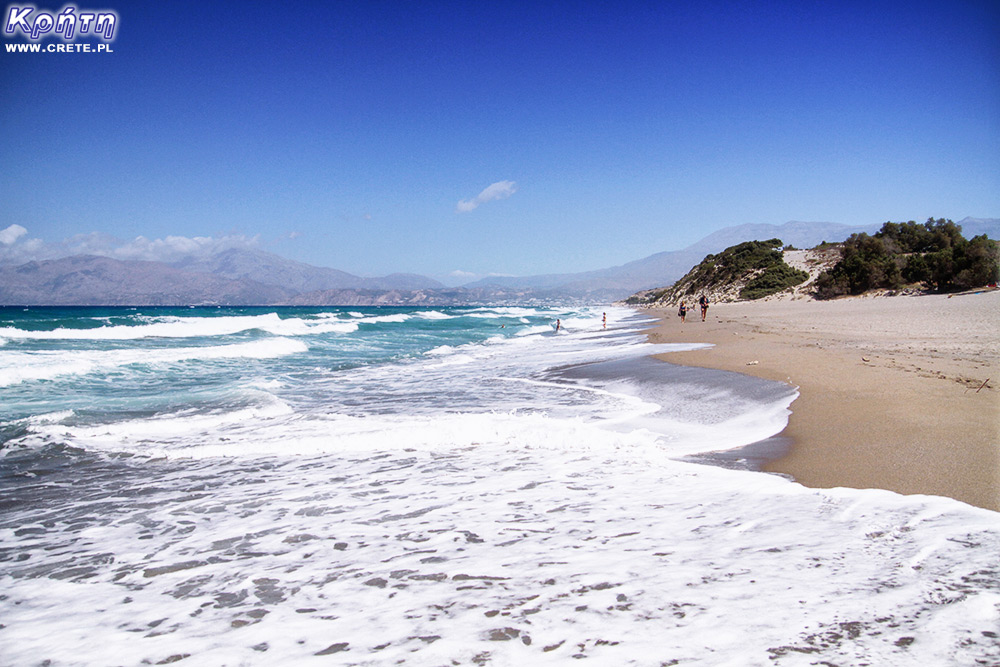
x=59 y=48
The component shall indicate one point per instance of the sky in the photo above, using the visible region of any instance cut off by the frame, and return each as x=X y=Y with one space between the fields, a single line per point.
x=458 y=140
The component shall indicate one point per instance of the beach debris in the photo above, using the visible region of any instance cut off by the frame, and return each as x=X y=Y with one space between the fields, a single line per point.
x=985 y=382
x=865 y=359
x=753 y=363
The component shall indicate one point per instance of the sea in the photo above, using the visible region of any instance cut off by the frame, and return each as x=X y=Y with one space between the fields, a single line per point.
x=442 y=486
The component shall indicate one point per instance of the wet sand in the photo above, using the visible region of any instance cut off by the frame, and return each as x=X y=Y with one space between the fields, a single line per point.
x=892 y=391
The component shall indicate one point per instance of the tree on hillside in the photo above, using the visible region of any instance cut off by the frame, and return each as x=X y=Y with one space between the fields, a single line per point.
x=934 y=254
x=910 y=237
x=865 y=264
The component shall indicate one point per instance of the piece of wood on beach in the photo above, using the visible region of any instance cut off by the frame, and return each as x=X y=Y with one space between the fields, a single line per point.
x=985 y=382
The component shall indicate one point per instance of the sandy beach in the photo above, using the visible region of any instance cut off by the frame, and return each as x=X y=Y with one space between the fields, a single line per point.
x=899 y=393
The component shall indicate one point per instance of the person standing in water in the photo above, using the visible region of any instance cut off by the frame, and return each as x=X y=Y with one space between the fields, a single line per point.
x=704 y=306
x=558 y=324
x=604 y=320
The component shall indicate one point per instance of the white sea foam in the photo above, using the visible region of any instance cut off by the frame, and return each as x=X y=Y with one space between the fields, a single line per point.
x=20 y=366
x=267 y=384
x=561 y=410
x=523 y=507
x=512 y=311
x=537 y=329
x=165 y=327
x=51 y=417
x=507 y=552
x=298 y=327
x=45 y=418
x=189 y=327
x=385 y=319
x=189 y=433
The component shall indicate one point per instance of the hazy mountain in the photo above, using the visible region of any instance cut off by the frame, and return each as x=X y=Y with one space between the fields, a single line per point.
x=978 y=226
x=448 y=296
x=233 y=277
x=85 y=280
x=402 y=281
x=270 y=269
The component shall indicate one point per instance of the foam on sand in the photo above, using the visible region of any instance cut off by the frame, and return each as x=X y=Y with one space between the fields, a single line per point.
x=519 y=553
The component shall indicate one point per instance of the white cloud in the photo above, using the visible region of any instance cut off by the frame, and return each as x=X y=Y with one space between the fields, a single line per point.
x=499 y=190
x=11 y=234
x=174 y=248
x=15 y=249
x=168 y=249
x=94 y=243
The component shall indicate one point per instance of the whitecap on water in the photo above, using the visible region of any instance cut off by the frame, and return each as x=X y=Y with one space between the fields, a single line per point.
x=22 y=366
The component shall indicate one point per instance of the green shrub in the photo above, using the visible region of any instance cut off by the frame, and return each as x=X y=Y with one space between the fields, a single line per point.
x=731 y=264
x=774 y=279
x=916 y=269
x=934 y=253
x=830 y=285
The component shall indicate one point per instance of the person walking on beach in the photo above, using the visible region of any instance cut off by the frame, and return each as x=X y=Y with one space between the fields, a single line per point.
x=682 y=312
x=704 y=306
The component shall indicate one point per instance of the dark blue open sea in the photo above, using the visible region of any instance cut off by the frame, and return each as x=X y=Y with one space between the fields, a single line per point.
x=451 y=486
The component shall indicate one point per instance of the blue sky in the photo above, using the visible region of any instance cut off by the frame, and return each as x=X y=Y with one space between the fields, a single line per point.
x=509 y=138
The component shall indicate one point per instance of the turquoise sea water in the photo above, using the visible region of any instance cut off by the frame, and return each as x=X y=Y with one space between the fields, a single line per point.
x=439 y=486
x=98 y=361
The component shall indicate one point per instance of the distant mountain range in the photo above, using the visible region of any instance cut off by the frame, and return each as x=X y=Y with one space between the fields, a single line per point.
x=90 y=280
x=266 y=267
x=256 y=277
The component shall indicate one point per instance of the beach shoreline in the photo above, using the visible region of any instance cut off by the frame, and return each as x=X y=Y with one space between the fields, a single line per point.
x=898 y=393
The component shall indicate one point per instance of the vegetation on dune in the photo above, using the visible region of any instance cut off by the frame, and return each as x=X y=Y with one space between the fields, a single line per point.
x=736 y=262
x=732 y=263
x=774 y=279
x=934 y=254
x=760 y=264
